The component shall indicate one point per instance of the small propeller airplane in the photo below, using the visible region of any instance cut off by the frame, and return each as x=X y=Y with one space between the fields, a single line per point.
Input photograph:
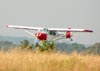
x=43 y=33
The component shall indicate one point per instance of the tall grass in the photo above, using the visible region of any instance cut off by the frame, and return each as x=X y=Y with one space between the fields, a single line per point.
x=47 y=61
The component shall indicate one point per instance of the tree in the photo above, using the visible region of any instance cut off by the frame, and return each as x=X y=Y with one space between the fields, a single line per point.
x=46 y=45
x=30 y=47
x=24 y=44
x=50 y=45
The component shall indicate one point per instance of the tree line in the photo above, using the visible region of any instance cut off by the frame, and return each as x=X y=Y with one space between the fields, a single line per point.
x=52 y=46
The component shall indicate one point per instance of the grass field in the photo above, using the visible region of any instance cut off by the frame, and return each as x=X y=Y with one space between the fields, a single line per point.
x=32 y=61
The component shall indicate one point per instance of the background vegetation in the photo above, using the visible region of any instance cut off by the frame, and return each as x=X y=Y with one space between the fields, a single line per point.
x=62 y=47
x=47 y=57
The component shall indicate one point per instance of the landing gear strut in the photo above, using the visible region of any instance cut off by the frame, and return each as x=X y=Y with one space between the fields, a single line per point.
x=71 y=39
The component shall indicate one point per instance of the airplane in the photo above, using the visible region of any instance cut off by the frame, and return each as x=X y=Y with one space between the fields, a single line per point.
x=43 y=33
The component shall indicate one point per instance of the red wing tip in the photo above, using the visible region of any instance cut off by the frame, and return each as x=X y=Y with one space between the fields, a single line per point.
x=88 y=31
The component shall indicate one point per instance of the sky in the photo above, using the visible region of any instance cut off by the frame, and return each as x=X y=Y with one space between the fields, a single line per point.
x=52 y=13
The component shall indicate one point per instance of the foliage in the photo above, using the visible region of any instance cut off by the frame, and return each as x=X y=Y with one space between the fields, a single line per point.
x=94 y=49
x=50 y=46
x=6 y=45
x=43 y=46
x=46 y=46
x=24 y=44
x=30 y=47
x=70 y=47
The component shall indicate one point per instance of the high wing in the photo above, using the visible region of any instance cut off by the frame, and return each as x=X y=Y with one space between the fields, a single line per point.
x=49 y=29
x=24 y=27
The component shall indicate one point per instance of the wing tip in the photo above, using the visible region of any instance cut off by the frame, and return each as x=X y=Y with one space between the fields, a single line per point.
x=88 y=30
x=7 y=25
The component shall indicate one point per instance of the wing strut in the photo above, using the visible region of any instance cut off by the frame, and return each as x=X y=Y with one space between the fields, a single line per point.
x=29 y=32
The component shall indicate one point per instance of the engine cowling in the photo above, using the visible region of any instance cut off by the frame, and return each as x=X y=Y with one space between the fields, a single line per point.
x=68 y=34
x=41 y=35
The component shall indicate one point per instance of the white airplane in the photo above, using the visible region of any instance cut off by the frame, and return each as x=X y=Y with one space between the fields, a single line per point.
x=43 y=33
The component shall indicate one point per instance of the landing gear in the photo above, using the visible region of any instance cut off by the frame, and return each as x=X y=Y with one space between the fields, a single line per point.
x=71 y=39
x=37 y=44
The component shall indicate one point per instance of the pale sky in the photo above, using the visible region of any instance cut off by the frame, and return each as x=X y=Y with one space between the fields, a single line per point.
x=52 y=13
